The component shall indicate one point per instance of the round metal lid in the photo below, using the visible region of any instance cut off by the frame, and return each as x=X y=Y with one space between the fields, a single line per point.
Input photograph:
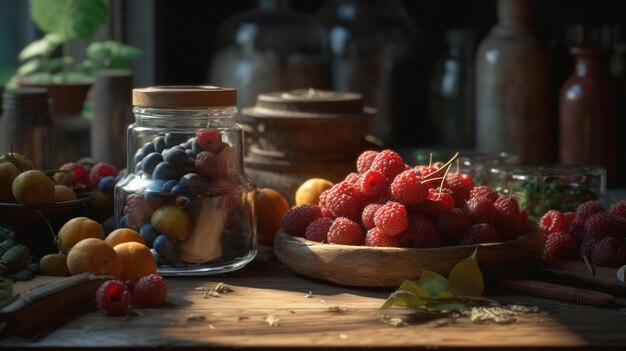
x=184 y=97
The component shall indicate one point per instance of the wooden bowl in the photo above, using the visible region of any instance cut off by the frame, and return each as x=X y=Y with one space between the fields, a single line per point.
x=388 y=267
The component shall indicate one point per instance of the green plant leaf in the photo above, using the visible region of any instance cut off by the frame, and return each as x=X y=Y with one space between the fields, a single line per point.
x=413 y=287
x=466 y=278
x=403 y=299
x=40 y=78
x=69 y=18
x=57 y=63
x=71 y=78
x=434 y=283
x=42 y=47
x=30 y=67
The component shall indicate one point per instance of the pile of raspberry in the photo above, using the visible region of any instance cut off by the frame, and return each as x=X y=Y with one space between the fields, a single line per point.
x=389 y=203
x=590 y=231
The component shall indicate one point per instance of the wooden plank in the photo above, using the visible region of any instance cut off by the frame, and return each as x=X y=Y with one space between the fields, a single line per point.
x=237 y=319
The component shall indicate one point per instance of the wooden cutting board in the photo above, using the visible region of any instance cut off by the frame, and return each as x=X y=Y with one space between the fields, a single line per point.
x=601 y=277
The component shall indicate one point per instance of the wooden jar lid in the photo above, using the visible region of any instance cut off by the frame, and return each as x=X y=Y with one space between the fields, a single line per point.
x=303 y=103
x=184 y=97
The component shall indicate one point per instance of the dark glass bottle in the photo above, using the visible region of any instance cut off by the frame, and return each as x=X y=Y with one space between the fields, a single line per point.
x=26 y=125
x=588 y=113
x=451 y=102
x=513 y=87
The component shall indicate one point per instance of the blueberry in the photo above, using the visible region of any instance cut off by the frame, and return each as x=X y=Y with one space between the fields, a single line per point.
x=149 y=163
x=176 y=156
x=139 y=155
x=124 y=222
x=158 y=259
x=148 y=234
x=180 y=189
x=107 y=184
x=147 y=148
x=191 y=180
x=165 y=247
x=187 y=144
x=190 y=153
x=172 y=139
x=159 y=144
x=153 y=197
x=137 y=167
x=165 y=171
x=195 y=146
x=168 y=185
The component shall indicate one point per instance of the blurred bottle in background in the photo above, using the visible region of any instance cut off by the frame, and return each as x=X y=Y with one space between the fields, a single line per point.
x=513 y=87
x=270 y=48
x=451 y=102
x=374 y=51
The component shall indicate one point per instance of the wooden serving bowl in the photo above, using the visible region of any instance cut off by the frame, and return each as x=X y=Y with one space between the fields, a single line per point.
x=388 y=267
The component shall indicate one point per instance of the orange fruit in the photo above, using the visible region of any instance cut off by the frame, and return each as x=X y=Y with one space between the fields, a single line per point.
x=270 y=207
x=309 y=192
x=94 y=256
x=123 y=235
x=77 y=229
x=137 y=261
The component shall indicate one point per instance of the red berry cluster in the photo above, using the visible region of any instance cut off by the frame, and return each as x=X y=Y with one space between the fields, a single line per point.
x=389 y=203
x=590 y=232
x=113 y=297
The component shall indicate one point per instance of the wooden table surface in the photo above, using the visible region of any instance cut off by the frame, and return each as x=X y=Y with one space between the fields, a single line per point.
x=331 y=316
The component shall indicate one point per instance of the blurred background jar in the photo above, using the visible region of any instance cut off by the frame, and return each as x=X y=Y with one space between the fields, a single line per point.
x=451 y=99
x=374 y=53
x=588 y=113
x=513 y=87
x=270 y=48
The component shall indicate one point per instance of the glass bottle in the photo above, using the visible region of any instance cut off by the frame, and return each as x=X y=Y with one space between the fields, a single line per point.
x=513 y=87
x=588 y=113
x=270 y=48
x=26 y=125
x=451 y=102
x=186 y=190
x=374 y=53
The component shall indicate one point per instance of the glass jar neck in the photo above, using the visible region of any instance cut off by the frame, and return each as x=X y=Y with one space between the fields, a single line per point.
x=222 y=117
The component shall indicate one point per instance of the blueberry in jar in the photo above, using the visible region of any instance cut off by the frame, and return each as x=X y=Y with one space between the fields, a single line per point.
x=149 y=163
x=165 y=171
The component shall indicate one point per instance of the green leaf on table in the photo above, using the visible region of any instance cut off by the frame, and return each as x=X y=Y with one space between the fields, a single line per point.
x=466 y=278
x=69 y=18
x=434 y=283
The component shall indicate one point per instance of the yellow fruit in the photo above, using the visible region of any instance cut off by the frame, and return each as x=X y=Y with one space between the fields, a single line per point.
x=171 y=221
x=270 y=207
x=137 y=261
x=63 y=193
x=94 y=256
x=309 y=192
x=123 y=235
x=32 y=188
x=77 y=229
x=54 y=264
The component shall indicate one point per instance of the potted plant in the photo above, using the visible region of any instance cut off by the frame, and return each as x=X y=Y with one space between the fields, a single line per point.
x=67 y=80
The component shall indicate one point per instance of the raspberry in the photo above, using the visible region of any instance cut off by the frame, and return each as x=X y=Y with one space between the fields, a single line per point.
x=452 y=224
x=150 y=291
x=551 y=222
x=297 y=219
x=483 y=190
x=113 y=298
x=78 y=174
x=408 y=189
x=318 y=229
x=569 y=217
x=460 y=185
x=562 y=246
x=137 y=210
x=99 y=171
x=443 y=198
x=585 y=210
x=523 y=221
x=210 y=139
x=373 y=183
x=345 y=200
x=352 y=178
x=603 y=224
x=480 y=209
x=364 y=162
x=608 y=252
x=421 y=233
x=389 y=163
x=586 y=247
x=427 y=208
x=345 y=232
x=425 y=170
x=577 y=231
x=391 y=218
x=618 y=209
x=375 y=237
x=367 y=216
x=206 y=164
x=479 y=234
x=507 y=217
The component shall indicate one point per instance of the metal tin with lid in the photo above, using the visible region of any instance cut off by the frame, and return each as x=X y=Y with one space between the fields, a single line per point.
x=186 y=191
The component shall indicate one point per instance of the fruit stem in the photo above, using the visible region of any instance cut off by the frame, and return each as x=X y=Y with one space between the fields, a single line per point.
x=439 y=171
x=54 y=237
x=443 y=179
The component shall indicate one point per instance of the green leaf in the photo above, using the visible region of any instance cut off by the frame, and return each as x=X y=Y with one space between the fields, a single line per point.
x=403 y=299
x=434 y=283
x=466 y=278
x=57 y=63
x=98 y=51
x=69 y=18
x=30 y=67
x=42 y=47
x=71 y=78
x=413 y=287
x=40 y=78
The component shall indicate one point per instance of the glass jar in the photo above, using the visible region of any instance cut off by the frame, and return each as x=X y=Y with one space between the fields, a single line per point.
x=186 y=191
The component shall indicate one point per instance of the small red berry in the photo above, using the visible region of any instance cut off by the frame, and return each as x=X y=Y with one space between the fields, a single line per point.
x=318 y=229
x=608 y=252
x=345 y=232
x=441 y=197
x=585 y=210
x=483 y=190
x=364 y=162
x=561 y=245
x=479 y=234
x=296 y=220
x=618 y=209
x=375 y=237
x=452 y=224
x=391 y=218
x=210 y=139
x=78 y=174
x=113 y=298
x=408 y=189
x=389 y=163
x=345 y=200
x=603 y=224
x=480 y=209
x=421 y=233
x=373 y=183
x=150 y=291
x=507 y=217
x=99 y=171
x=367 y=216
